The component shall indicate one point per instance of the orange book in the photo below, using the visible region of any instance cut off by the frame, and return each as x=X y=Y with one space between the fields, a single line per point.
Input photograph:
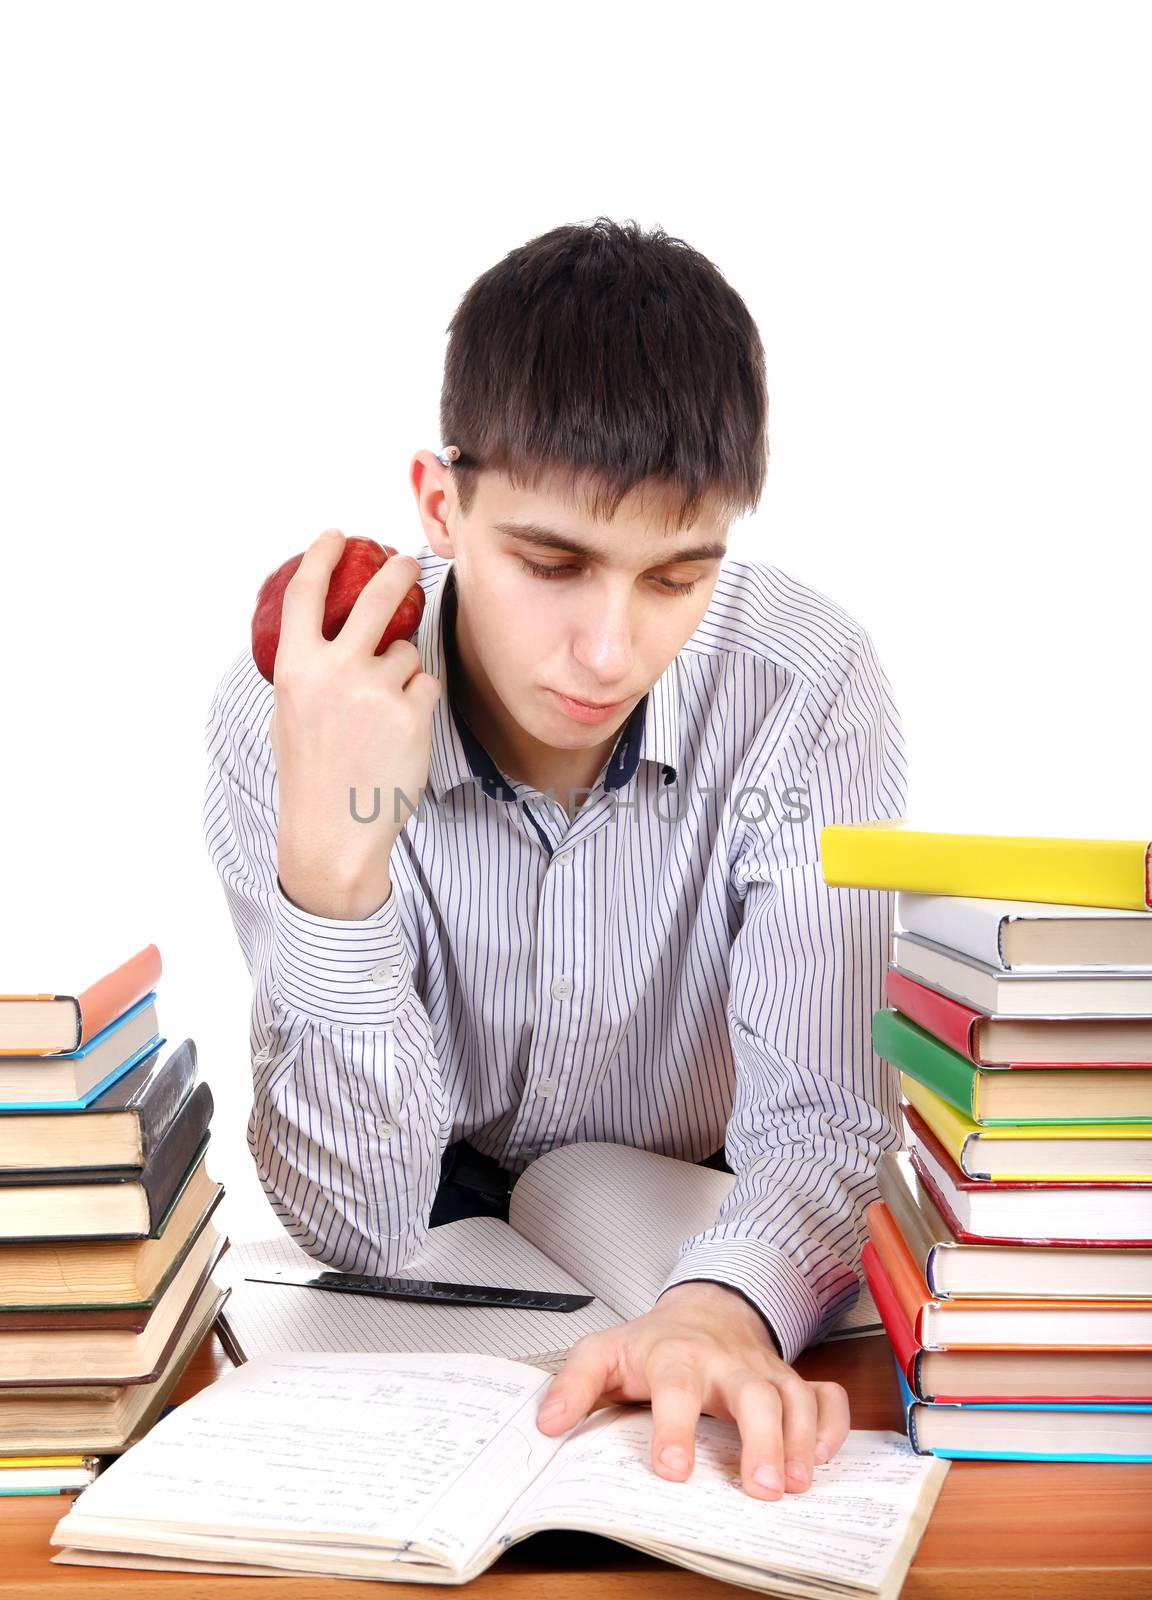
x=1005 y=1323
x=57 y=1024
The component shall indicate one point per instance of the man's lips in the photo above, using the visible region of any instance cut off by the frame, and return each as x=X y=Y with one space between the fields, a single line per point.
x=591 y=704
x=582 y=711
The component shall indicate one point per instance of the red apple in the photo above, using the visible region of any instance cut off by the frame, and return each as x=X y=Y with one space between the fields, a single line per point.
x=359 y=560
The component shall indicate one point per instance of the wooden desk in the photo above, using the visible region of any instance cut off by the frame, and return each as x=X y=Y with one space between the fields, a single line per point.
x=1003 y=1530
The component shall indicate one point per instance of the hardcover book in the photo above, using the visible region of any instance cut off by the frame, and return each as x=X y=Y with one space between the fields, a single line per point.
x=102 y=1418
x=1093 y=1151
x=1091 y=993
x=890 y=854
x=1005 y=1321
x=1076 y=1211
x=120 y=1128
x=61 y=1273
x=53 y=1024
x=1028 y=935
x=106 y=1202
x=1032 y=1376
x=1016 y=1042
x=74 y=1081
x=1065 y=1431
x=951 y=1265
x=991 y=1096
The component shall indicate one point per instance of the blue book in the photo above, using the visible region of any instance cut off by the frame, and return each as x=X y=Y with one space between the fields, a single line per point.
x=929 y=1419
x=74 y=1080
x=25 y=1493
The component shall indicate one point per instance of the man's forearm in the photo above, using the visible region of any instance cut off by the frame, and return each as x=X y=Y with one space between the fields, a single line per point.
x=322 y=900
x=314 y=883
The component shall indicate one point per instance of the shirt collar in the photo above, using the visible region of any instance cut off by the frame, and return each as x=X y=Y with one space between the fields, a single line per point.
x=456 y=756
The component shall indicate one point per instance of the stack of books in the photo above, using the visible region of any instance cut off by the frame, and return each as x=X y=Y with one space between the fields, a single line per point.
x=107 y=1243
x=1010 y=1253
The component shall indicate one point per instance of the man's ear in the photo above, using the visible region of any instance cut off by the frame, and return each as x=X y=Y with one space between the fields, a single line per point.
x=436 y=505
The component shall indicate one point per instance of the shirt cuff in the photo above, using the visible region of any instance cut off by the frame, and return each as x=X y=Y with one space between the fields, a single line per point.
x=353 y=973
x=766 y=1278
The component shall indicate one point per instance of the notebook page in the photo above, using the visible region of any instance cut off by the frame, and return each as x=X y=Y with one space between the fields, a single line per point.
x=851 y=1524
x=616 y=1218
x=263 y=1319
x=323 y=1450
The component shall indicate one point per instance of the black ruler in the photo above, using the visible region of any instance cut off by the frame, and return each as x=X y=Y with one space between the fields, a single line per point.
x=445 y=1294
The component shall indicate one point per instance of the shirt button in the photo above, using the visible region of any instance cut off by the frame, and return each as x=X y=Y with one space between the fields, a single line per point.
x=545 y=1087
x=385 y=1130
x=563 y=858
x=562 y=988
x=383 y=973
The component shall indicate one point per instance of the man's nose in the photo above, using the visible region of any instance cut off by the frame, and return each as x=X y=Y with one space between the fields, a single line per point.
x=604 y=640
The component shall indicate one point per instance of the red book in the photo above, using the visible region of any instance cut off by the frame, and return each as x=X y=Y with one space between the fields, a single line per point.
x=1021 y=1042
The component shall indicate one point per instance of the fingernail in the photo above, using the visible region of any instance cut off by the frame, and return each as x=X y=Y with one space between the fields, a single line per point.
x=674 y=1458
x=821 y=1452
x=767 y=1479
x=798 y=1472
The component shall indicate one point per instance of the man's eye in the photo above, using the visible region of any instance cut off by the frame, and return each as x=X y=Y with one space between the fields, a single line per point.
x=545 y=572
x=562 y=571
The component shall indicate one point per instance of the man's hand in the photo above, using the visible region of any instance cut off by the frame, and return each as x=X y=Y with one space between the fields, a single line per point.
x=345 y=722
x=703 y=1347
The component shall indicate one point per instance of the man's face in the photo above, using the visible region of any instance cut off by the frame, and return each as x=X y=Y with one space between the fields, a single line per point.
x=599 y=624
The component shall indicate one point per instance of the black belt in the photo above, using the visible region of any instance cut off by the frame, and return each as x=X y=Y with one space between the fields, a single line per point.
x=462 y=1163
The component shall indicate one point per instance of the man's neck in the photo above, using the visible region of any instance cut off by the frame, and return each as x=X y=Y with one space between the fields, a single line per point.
x=522 y=759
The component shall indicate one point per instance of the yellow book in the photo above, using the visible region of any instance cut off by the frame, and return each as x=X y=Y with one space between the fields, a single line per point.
x=888 y=854
x=1041 y=1152
x=44 y=1461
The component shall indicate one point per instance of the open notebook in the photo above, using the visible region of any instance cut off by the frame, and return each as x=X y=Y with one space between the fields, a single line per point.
x=425 y=1468
x=600 y=1219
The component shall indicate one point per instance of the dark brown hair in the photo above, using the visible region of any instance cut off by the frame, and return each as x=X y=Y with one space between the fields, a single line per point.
x=611 y=356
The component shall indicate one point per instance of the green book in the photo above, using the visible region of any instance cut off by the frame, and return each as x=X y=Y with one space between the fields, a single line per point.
x=1012 y=1097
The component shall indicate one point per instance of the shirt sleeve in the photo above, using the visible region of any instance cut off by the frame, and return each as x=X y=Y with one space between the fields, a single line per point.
x=348 y=1120
x=814 y=1107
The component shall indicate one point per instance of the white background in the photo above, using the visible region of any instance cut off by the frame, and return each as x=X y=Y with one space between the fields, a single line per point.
x=233 y=237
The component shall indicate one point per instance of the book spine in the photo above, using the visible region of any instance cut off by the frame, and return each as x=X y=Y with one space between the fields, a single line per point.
x=174 y=1154
x=909 y=1401
x=923 y=1229
x=899 y=1264
x=1115 y=873
x=162 y=1097
x=102 y=1002
x=901 y=1334
x=922 y=1057
x=948 y=1020
x=971 y=927
x=950 y=1126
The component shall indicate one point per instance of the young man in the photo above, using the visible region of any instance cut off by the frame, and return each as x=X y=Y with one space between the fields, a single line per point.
x=597 y=924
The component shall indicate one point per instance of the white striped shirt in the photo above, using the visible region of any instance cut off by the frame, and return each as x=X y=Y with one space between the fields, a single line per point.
x=666 y=970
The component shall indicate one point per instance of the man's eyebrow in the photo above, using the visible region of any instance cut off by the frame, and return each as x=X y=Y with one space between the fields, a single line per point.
x=535 y=533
